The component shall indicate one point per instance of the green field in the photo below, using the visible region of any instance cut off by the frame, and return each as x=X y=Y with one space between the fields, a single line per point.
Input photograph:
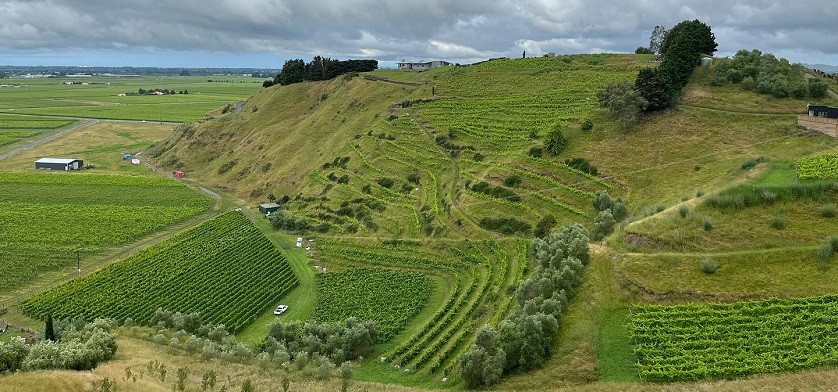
x=45 y=217
x=225 y=269
x=99 y=97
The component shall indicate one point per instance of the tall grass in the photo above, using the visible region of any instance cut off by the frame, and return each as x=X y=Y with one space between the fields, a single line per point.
x=750 y=196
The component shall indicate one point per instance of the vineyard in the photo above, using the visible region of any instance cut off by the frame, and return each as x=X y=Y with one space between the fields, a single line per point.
x=388 y=297
x=820 y=167
x=417 y=164
x=225 y=269
x=477 y=276
x=46 y=216
x=695 y=341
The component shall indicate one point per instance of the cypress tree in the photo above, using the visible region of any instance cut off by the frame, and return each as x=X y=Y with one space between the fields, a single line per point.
x=49 y=330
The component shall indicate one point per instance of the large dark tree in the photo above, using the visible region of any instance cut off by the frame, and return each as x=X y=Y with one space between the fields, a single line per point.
x=654 y=89
x=699 y=37
x=293 y=71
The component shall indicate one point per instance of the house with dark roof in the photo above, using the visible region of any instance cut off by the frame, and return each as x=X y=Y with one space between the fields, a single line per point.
x=823 y=119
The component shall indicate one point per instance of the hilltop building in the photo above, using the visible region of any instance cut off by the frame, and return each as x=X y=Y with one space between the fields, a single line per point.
x=820 y=118
x=422 y=66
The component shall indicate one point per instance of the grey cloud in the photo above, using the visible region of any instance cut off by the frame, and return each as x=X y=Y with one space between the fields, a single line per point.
x=389 y=30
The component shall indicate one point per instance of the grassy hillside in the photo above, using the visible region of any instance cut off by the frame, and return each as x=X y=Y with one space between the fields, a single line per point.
x=446 y=176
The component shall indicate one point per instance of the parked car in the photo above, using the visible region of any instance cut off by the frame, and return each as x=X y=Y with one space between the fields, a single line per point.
x=280 y=309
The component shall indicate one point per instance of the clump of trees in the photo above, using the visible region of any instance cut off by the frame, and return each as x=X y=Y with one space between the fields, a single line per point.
x=74 y=345
x=293 y=343
x=623 y=101
x=296 y=341
x=609 y=212
x=766 y=74
x=524 y=338
x=281 y=221
x=681 y=48
x=319 y=68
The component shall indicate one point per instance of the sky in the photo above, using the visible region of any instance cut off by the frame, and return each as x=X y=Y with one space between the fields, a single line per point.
x=265 y=33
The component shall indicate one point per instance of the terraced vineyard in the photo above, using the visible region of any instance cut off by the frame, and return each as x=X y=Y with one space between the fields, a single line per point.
x=224 y=269
x=480 y=127
x=46 y=216
x=695 y=341
x=388 y=297
x=477 y=275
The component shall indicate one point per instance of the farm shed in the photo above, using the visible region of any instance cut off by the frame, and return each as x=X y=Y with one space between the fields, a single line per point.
x=422 y=66
x=820 y=118
x=59 y=164
x=268 y=208
x=179 y=173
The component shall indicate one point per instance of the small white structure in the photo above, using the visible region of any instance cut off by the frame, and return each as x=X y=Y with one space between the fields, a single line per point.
x=135 y=161
x=299 y=242
x=422 y=65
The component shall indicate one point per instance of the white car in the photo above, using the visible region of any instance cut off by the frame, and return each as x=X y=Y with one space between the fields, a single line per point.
x=280 y=309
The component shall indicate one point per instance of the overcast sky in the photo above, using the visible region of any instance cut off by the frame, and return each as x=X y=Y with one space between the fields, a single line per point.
x=263 y=33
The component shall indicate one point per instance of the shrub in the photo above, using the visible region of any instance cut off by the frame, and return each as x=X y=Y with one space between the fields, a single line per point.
x=683 y=210
x=535 y=152
x=709 y=266
x=827 y=249
x=603 y=225
x=386 y=182
x=512 y=181
x=778 y=222
x=581 y=164
x=748 y=84
x=506 y=225
x=828 y=210
x=749 y=164
x=478 y=157
x=555 y=142
x=544 y=226
x=707 y=223
x=817 y=88
x=587 y=125
x=414 y=178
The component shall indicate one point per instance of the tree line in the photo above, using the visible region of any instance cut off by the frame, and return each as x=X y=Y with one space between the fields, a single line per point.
x=524 y=339
x=319 y=68
x=658 y=88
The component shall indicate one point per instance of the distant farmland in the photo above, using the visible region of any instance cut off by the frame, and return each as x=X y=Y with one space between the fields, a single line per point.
x=100 y=97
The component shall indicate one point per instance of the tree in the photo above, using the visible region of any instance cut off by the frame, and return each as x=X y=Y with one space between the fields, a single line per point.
x=817 y=88
x=49 y=330
x=184 y=73
x=656 y=39
x=653 y=89
x=271 y=197
x=623 y=101
x=643 y=50
x=555 y=141
x=699 y=36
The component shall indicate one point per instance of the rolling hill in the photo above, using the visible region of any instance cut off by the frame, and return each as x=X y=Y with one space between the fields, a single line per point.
x=444 y=174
